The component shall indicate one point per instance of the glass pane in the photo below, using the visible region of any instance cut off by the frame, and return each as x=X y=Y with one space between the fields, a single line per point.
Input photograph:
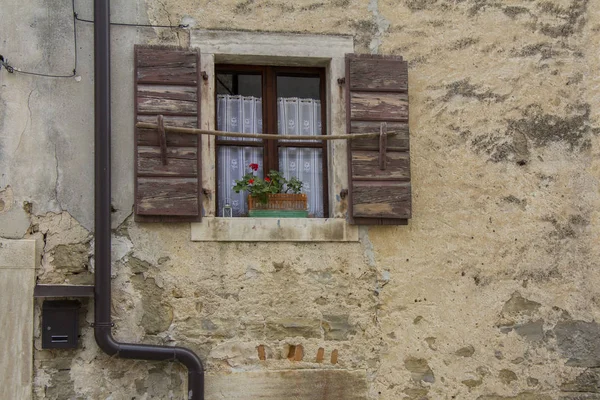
x=239 y=104
x=234 y=83
x=306 y=87
x=307 y=165
x=233 y=164
x=298 y=106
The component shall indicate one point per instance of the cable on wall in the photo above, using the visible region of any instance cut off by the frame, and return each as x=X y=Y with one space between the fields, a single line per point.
x=12 y=69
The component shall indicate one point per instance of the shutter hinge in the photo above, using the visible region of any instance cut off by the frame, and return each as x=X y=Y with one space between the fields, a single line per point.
x=341 y=81
x=204 y=75
x=344 y=193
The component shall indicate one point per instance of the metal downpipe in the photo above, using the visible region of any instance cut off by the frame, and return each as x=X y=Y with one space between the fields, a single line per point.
x=102 y=223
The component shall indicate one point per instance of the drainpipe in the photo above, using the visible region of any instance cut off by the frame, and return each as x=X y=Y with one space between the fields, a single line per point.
x=102 y=225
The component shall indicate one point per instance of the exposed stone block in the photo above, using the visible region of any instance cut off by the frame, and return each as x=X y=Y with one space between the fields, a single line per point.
x=533 y=331
x=519 y=305
x=419 y=369
x=520 y=396
x=289 y=384
x=467 y=351
x=507 y=376
x=71 y=258
x=578 y=341
x=587 y=381
x=293 y=327
x=158 y=315
x=337 y=327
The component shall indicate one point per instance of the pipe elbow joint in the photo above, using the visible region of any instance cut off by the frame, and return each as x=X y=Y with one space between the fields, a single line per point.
x=105 y=340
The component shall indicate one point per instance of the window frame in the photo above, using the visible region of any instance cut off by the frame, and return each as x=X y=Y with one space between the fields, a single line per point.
x=280 y=49
x=269 y=75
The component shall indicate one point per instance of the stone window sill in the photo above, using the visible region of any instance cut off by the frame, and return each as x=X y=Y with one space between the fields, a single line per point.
x=213 y=229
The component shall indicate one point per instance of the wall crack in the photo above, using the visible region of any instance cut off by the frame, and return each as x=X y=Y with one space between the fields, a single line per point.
x=26 y=122
x=57 y=180
x=381 y=24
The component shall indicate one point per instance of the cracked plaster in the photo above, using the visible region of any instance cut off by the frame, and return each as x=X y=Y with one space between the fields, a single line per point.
x=485 y=226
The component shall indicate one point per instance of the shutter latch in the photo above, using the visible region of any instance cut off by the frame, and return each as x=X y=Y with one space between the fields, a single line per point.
x=382 y=145
x=162 y=138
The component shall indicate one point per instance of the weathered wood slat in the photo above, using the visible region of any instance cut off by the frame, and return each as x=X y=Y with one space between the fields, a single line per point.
x=397 y=142
x=173 y=153
x=167 y=196
x=170 y=92
x=181 y=161
x=380 y=221
x=381 y=199
x=379 y=106
x=164 y=58
x=365 y=164
x=183 y=75
x=382 y=75
x=185 y=122
x=149 y=137
x=175 y=167
x=165 y=106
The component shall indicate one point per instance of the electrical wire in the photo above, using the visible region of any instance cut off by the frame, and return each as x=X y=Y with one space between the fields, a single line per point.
x=11 y=69
x=180 y=26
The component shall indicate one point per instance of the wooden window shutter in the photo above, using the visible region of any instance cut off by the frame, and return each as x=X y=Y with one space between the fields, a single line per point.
x=379 y=168
x=168 y=175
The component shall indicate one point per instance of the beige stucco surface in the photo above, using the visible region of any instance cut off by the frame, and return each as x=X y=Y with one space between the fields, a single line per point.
x=17 y=279
x=490 y=292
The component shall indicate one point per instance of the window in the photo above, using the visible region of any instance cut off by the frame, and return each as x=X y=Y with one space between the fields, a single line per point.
x=267 y=99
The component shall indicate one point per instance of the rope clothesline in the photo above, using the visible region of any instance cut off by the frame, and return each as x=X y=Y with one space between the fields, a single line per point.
x=194 y=131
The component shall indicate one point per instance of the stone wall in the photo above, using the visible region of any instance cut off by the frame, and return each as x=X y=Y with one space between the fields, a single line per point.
x=490 y=292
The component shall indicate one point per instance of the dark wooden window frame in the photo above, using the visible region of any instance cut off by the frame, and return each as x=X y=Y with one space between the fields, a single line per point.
x=269 y=76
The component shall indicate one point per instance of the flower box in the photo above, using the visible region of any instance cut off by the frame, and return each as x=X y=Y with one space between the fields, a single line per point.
x=279 y=205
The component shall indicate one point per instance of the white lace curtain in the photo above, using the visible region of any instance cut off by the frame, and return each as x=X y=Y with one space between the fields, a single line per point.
x=237 y=113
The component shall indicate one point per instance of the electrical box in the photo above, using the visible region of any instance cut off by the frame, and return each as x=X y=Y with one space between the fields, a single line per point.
x=60 y=324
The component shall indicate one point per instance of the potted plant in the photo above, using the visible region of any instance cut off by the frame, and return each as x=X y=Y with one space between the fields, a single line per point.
x=273 y=195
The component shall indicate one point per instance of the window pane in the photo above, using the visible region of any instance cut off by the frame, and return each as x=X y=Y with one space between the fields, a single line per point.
x=233 y=162
x=298 y=106
x=239 y=114
x=307 y=87
x=239 y=104
x=234 y=83
x=305 y=164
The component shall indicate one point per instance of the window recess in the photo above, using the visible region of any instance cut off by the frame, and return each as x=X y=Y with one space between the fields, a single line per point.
x=285 y=101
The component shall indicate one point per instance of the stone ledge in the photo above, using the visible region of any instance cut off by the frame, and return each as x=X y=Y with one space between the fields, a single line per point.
x=274 y=230
x=271 y=44
x=17 y=254
x=17 y=279
x=306 y=384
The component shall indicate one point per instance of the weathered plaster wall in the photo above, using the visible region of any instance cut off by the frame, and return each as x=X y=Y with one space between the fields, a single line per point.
x=491 y=292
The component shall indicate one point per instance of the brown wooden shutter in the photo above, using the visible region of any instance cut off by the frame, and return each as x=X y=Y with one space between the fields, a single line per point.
x=167 y=166
x=376 y=93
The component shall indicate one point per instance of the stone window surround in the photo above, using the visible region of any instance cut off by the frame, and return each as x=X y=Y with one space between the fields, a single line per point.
x=287 y=49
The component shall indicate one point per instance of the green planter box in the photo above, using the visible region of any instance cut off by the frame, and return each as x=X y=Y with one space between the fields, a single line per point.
x=278 y=213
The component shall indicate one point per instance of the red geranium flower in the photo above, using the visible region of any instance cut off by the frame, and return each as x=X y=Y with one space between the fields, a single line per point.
x=250 y=181
x=254 y=167
x=267 y=179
